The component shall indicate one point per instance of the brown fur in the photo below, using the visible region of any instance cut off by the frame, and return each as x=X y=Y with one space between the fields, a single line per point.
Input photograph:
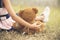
x=28 y=15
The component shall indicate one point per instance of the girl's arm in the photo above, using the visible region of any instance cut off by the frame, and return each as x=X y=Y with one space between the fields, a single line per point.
x=14 y=16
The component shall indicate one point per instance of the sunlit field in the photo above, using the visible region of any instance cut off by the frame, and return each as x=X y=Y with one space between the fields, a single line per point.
x=51 y=32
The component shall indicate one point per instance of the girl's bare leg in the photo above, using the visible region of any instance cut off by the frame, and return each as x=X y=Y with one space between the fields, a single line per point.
x=44 y=16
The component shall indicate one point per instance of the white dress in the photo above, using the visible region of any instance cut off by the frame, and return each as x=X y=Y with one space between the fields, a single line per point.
x=5 y=23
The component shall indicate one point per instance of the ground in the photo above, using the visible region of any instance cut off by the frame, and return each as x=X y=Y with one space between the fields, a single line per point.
x=51 y=32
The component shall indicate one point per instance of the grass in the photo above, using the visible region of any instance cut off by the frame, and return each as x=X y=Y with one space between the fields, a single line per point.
x=51 y=32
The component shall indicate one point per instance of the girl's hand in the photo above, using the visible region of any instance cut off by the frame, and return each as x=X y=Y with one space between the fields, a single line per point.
x=34 y=27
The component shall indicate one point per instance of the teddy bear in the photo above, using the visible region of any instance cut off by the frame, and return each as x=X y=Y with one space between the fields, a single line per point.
x=29 y=15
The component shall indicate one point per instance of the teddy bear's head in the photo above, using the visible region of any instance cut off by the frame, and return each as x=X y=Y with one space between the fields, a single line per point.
x=28 y=14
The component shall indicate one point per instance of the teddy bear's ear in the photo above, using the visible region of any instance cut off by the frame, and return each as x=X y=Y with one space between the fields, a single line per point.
x=35 y=10
x=21 y=12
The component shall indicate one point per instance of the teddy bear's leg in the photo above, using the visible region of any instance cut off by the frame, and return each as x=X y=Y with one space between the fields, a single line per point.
x=42 y=27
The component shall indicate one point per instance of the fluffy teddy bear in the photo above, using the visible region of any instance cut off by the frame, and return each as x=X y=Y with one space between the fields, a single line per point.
x=28 y=15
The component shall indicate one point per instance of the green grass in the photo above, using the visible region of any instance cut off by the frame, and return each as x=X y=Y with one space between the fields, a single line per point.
x=52 y=31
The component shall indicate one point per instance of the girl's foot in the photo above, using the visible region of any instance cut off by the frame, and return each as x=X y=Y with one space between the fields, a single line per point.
x=44 y=16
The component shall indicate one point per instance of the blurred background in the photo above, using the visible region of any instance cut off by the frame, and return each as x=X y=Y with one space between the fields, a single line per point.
x=35 y=3
x=52 y=29
x=54 y=3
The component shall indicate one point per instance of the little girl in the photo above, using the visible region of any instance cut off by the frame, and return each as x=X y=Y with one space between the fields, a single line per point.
x=7 y=14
